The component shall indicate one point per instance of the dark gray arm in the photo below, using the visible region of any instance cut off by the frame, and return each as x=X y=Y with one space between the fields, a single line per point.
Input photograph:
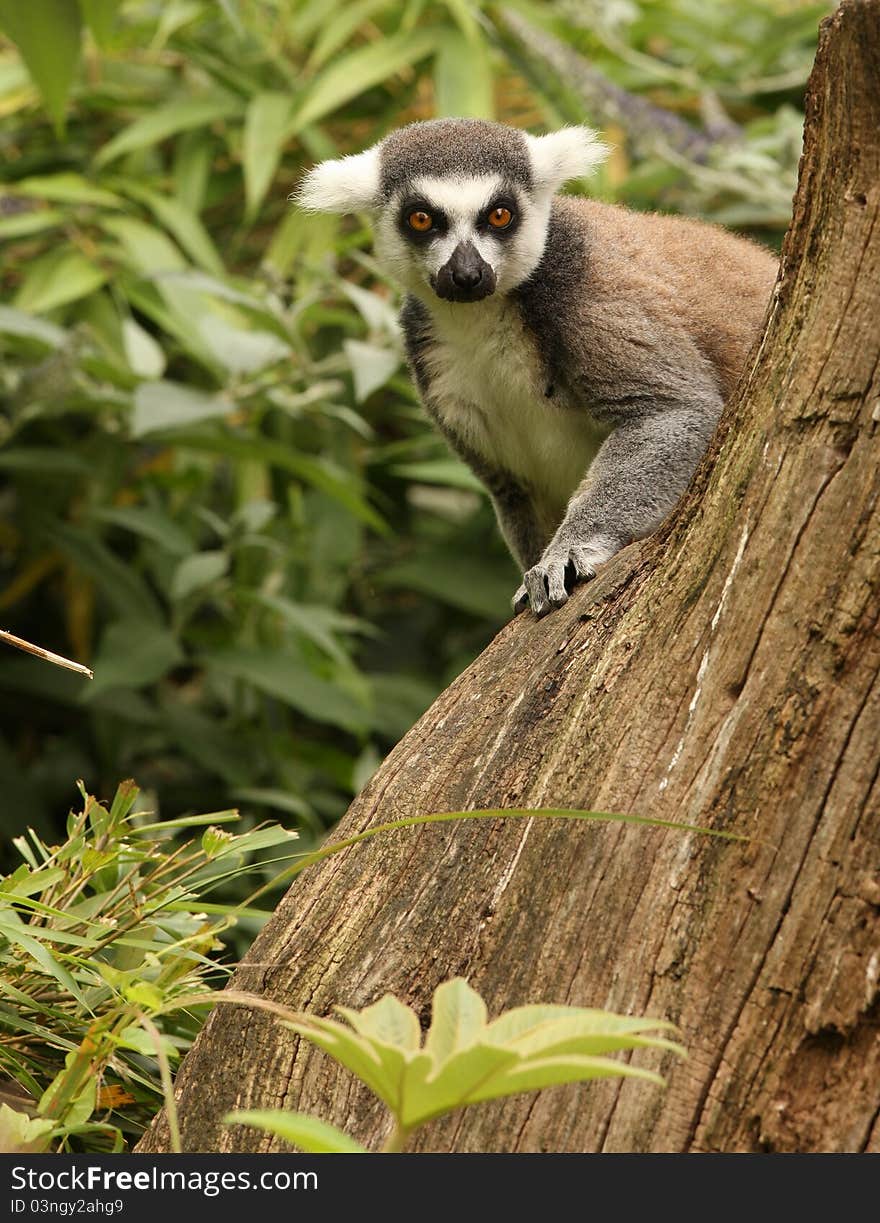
x=636 y=479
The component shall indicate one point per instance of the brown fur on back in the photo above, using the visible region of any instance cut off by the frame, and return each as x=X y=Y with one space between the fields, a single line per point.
x=715 y=283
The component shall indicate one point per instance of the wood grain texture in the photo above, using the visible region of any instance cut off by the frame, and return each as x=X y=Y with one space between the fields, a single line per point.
x=726 y=672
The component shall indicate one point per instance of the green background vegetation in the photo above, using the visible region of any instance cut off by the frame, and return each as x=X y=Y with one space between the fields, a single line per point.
x=218 y=488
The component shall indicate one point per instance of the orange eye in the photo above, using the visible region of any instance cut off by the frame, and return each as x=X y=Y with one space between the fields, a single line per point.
x=500 y=218
x=420 y=221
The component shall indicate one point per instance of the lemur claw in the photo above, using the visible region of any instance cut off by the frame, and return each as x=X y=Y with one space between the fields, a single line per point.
x=549 y=583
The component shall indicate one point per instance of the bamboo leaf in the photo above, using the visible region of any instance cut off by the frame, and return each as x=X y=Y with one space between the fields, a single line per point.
x=100 y=17
x=181 y=115
x=182 y=223
x=371 y=366
x=17 y=323
x=161 y=406
x=132 y=654
x=462 y=78
x=57 y=278
x=290 y=681
x=66 y=187
x=266 y=123
x=360 y=70
x=48 y=37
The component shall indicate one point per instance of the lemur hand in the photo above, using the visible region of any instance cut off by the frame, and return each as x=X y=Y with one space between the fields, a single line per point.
x=564 y=562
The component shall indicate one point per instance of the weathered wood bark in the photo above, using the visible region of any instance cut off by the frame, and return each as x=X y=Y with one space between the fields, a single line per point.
x=724 y=673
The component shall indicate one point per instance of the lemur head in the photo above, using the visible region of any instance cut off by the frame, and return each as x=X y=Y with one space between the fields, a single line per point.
x=461 y=206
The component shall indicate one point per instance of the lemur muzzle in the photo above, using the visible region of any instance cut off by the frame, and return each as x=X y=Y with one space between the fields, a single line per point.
x=466 y=276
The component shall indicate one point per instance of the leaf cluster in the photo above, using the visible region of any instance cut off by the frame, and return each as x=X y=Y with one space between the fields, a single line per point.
x=463 y=1058
x=108 y=947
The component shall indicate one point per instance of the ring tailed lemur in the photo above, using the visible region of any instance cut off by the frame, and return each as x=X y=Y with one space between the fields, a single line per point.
x=575 y=354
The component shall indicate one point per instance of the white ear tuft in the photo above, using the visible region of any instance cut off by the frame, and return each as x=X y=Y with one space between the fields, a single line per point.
x=350 y=184
x=572 y=152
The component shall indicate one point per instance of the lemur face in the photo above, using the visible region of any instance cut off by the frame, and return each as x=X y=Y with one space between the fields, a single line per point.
x=461 y=206
x=462 y=238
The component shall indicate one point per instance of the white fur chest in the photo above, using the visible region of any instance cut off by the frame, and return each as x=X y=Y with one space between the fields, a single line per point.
x=489 y=385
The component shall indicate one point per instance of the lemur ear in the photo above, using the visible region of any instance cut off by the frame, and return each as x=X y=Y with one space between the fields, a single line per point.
x=350 y=184
x=572 y=152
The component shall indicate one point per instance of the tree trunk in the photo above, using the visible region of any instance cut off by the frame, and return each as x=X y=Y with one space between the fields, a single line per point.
x=724 y=673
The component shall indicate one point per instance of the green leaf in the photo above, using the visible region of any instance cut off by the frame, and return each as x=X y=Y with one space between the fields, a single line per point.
x=430 y=1090
x=462 y=12
x=464 y=581
x=358 y=1055
x=371 y=366
x=266 y=121
x=148 y=523
x=145 y=357
x=12 y=928
x=17 y=323
x=458 y=1019
x=314 y=621
x=290 y=681
x=196 y=572
x=183 y=224
x=343 y=22
x=450 y=473
x=307 y=1133
x=143 y=993
x=44 y=460
x=56 y=1099
x=100 y=17
x=319 y=472
x=48 y=37
x=181 y=115
x=124 y=588
x=463 y=78
x=377 y=312
x=360 y=70
x=554 y=1071
x=193 y=160
x=132 y=654
x=21 y=1133
x=66 y=187
x=149 y=250
x=22 y=224
x=465 y=1061
x=260 y=838
x=163 y=406
x=388 y=1022
x=242 y=351
x=554 y=1030
x=57 y=278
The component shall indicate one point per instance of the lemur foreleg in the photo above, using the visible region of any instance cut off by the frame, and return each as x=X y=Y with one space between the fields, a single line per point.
x=638 y=475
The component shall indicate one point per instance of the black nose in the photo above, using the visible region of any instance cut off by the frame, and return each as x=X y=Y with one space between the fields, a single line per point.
x=467 y=277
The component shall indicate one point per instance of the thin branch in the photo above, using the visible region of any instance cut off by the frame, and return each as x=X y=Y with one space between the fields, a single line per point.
x=46 y=655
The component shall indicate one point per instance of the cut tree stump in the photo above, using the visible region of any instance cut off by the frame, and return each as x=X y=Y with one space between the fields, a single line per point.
x=724 y=673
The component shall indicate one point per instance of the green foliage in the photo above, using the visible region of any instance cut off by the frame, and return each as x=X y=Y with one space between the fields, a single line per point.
x=107 y=950
x=310 y=1134
x=218 y=488
x=462 y=1060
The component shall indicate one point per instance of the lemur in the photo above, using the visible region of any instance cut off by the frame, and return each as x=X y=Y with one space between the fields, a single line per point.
x=575 y=354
